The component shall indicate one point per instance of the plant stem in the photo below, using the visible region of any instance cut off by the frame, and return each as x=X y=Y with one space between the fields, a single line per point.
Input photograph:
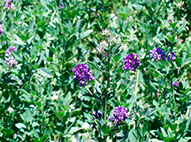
x=137 y=81
x=172 y=88
x=135 y=108
x=108 y=84
x=106 y=94
x=89 y=90
x=59 y=19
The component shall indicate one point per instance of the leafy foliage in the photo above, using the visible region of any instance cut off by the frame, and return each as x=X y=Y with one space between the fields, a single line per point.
x=39 y=99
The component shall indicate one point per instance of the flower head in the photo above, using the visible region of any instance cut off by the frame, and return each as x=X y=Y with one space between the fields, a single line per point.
x=157 y=54
x=176 y=83
x=106 y=33
x=131 y=61
x=9 y=59
x=62 y=5
x=54 y=97
x=101 y=50
x=171 y=55
x=119 y=115
x=8 y=51
x=103 y=44
x=10 y=109
x=8 y=4
x=97 y=116
x=82 y=74
x=1 y=30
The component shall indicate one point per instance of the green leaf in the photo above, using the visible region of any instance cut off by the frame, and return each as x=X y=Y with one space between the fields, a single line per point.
x=20 y=125
x=179 y=61
x=155 y=64
x=44 y=4
x=17 y=56
x=188 y=60
x=18 y=40
x=155 y=140
x=170 y=38
x=94 y=65
x=86 y=33
x=150 y=111
x=45 y=72
x=163 y=132
x=169 y=139
x=132 y=136
x=77 y=28
x=75 y=129
x=182 y=27
x=30 y=40
x=25 y=96
x=68 y=99
x=105 y=129
x=27 y=115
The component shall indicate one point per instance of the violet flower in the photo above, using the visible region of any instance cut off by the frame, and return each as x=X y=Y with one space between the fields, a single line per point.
x=157 y=54
x=119 y=115
x=171 y=55
x=131 y=61
x=82 y=74
x=1 y=30
x=9 y=59
x=8 y=51
x=8 y=4
x=62 y=5
x=176 y=83
x=97 y=116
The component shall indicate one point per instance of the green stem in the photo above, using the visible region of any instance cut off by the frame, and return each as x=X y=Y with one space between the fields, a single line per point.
x=137 y=81
x=106 y=94
x=172 y=92
x=89 y=90
x=59 y=19
x=108 y=83
x=136 y=122
x=135 y=108
x=174 y=101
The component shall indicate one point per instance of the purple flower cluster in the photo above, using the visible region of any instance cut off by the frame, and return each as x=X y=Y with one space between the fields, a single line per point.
x=158 y=54
x=62 y=5
x=82 y=74
x=101 y=53
x=171 y=55
x=1 y=30
x=176 y=83
x=98 y=116
x=131 y=61
x=119 y=114
x=8 y=4
x=9 y=59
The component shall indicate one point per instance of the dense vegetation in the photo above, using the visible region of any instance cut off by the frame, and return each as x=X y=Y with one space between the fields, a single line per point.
x=95 y=70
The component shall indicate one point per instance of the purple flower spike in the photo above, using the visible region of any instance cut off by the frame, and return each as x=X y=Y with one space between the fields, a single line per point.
x=82 y=74
x=131 y=61
x=157 y=54
x=1 y=30
x=9 y=59
x=171 y=55
x=8 y=51
x=62 y=5
x=175 y=84
x=95 y=114
x=8 y=4
x=97 y=117
x=119 y=115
